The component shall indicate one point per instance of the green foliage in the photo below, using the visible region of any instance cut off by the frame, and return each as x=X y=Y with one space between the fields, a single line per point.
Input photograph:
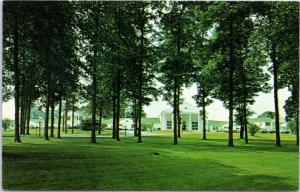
x=253 y=128
x=86 y=124
x=7 y=123
x=292 y=126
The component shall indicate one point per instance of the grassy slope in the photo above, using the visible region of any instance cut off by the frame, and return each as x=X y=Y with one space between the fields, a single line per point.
x=73 y=163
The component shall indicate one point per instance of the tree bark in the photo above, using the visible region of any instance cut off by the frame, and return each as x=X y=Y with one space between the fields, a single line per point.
x=59 y=118
x=241 y=118
x=174 y=111
x=16 y=78
x=135 y=118
x=66 y=115
x=52 y=118
x=100 y=119
x=94 y=97
x=204 y=117
x=245 y=121
x=297 y=126
x=28 y=117
x=118 y=106
x=178 y=113
x=114 y=112
x=275 y=81
x=73 y=111
x=141 y=79
x=47 y=114
x=22 y=123
x=231 y=65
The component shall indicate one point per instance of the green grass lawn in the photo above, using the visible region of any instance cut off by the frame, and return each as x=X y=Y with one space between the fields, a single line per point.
x=194 y=164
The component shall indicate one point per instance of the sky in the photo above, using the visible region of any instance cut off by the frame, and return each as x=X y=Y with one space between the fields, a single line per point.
x=216 y=111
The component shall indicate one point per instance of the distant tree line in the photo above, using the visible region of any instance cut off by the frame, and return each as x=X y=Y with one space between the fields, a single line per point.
x=112 y=55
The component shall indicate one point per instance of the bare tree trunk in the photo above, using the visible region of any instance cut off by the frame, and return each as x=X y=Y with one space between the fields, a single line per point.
x=52 y=119
x=66 y=115
x=174 y=111
x=47 y=114
x=114 y=114
x=231 y=63
x=28 y=117
x=16 y=79
x=94 y=84
x=100 y=119
x=297 y=126
x=59 y=118
x=204 y=118
x=135 y=118
x=22 y=116
x=178 y=113
x=118 y=106
x=245 y=121
x=275 y=81
x=73 y=111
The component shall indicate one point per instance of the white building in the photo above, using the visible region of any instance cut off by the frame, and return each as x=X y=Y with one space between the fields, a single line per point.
x=190 y=118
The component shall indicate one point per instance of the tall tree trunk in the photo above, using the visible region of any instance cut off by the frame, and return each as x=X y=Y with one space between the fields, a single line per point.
x=204 y=118
x=94 y=97
x=100 y=119
x=141 y=79
x=47 y=113
x=297 y=126
x=59 y=118
x=63 y=122
x=118 y=106
x=135 y=118
x=241 y=118
x=16 y=79
x=231 y=63
x=73 y=111
x=275 y=81
x=52 y=118
x=28 y=117
x=178 y=113
x=66 y=115
x=22 y=116
x=245 y=119
x=174 y=111
x=114 y=113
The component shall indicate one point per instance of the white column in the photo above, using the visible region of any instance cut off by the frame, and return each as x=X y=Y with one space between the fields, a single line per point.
x=162 y=121
x=199 y=122
x=190 y=122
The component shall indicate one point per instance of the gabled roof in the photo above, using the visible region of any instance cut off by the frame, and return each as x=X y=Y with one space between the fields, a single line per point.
x=261 y=119
x=185 y=107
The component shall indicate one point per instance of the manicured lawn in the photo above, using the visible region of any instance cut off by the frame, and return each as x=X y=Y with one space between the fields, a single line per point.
x=156 y=164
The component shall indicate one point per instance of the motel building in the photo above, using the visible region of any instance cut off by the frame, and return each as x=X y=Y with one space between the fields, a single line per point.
x=190 y=118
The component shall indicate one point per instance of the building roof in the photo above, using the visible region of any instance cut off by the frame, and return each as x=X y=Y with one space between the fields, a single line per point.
x=261 y=119
x=217 y=123
x=185 y=107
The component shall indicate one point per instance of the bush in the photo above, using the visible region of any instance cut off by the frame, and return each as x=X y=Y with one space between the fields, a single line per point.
x=86 y=125
x=253 y=128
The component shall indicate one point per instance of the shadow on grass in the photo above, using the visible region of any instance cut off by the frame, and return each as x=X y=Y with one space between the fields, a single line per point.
x=120 y=171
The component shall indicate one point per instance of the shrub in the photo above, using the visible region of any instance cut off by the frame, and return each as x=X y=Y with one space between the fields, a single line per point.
x=253 y=128
x=86 y=124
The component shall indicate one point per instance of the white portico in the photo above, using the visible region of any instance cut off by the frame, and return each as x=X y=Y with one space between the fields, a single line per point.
x=190 y=118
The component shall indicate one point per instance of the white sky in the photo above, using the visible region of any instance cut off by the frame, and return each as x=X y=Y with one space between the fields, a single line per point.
x=216 y=111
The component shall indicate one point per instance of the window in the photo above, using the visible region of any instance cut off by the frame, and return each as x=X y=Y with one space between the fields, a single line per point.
x=268 y=123
x=169 y=125
x=194 y=125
